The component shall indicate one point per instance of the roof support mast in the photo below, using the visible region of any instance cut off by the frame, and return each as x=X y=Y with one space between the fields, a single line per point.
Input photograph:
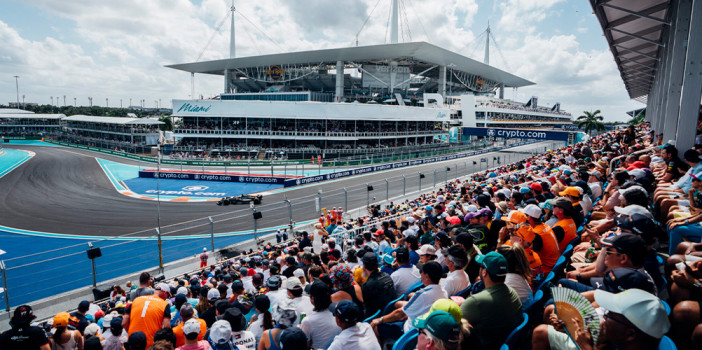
x=232 y=53
x=394 y=22
x=486 y=60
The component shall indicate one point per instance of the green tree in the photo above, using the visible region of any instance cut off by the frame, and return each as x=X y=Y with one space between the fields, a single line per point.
x=638 y=119
x=168 y=126
x=591 y=121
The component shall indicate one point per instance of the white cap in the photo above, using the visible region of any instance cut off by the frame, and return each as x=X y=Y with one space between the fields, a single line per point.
x=636 y=187
x=410 y=220
x=163 y=287
x=92 y=329
x=204 y=249
x=532 y=210
x=644 y=310
x=293 y=282
x=106 y=320
x=633 y=209
x=426 y=249
x=221 y=332
x=472 y=208
x=213 y=294
x=325 y=246
x=299 y=273
x=192 y=326
x=182 y=290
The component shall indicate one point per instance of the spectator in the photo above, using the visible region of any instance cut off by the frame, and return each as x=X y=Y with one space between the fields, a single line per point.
x=63 y=338
x=496 y=311
x=293 y=339
x=22 y=335
x=354 y=334
x=221 y=336
x=149 y=313
x=210 y=314
x=242 y=338
x=545 y=242
x=457 y=280
x=519 y=275
x=406 y=275
x=145 y=281
x=320 y=327
x=345 y=288
x=115 y=336
x=77 y=318
x=136 y=341
x=263 y=320
x=275 y=294
x=378 y=289
x=285 y=318
x=187 y=312
x=565 y=229
x=439 y=330
x=192 y=329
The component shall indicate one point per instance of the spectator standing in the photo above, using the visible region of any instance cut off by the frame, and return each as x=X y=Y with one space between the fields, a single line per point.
x=145 y=281
x=320 y=326
x=191 y=329
x=114 y=337
x=263 y=320
x=77 y=319
x=186 y=313
x=63 y=338
x=149 y=313
x=203 y=258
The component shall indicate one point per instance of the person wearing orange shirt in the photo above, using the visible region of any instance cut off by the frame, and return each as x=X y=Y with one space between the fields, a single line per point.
x=545 y=242
x=149 y=313
x=524 y=235
x=565 y=229
x=187 y=312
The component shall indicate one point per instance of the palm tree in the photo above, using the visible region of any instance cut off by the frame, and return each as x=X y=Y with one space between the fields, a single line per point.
x=591 y=121
x=638 y=119
x=168 y=126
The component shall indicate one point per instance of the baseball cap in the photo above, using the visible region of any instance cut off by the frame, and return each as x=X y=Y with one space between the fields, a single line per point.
x=694 y=177
x=596 y=174
x=191 y=326
x=548 y=204
x=426 y=249
x=441 y=324
x=162 y=287
x=570 y=191
x=455 y=251
x=471 y=215
x=61 y=319
x=182 y=291
x=532 y=210
x=106 y=320
x=637 y=173
x=627 y=243
x=524 y=190
x=220 y=332
x=472 y=208
x=213 y=294
x=633 y=209
x=464 y=238
x=115 y=323
x=485 y=212
x=369 y=259
x=274 y=282
x=644 y=310
x=246 y=299
x=402 y=254
x=299 y=273
x=293 y=283
x=388 y=259
x=449 y=306
x=515 y=217
x=638 y=224
x=237 y=286
x=493 y=262
x=623 y=278
x=91 y=329
x=536 y=186
x=442 y=236
x=345 y=310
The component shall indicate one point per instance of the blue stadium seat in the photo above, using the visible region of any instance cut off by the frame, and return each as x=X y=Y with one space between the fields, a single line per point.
x=549 y=278
x=560 y=265
x=407 y=341
x=516 y=335
x=665 y=344
x=373 y=316
x=415 y=287
x=464 y=293
x=538 y=296
x=666 y=307
x=391 y=305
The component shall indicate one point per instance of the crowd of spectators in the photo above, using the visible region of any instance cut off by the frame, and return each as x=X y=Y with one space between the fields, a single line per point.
x=518 y=107
x=456 y=268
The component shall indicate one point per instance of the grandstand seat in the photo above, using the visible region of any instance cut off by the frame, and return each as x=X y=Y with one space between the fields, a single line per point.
x=391 y=305
x=372 y=317
x=560 y=265
x=407 y=341
x=665 y=344
x=515 y=336
x=666 y=306
x=415 y=288
x=549 y=278
x=538 y=296
x=464 y=293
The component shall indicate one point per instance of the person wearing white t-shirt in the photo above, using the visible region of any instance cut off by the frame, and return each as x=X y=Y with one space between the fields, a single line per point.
x=457 y=280
x=320 y=326
x=406 y=275
x=303 y=305
x=354 y=335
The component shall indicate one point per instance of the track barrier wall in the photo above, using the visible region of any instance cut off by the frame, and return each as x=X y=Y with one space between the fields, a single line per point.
x=58 y=263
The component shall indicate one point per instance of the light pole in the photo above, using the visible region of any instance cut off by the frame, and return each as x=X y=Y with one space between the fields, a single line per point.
x=107 y=102
x=64 y=100
x=120 y=103
x=52 y=100
x=75 y=102
x=17 y=89
x=90 y=101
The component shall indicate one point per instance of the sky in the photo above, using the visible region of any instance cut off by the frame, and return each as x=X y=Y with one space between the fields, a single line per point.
x=115 y=51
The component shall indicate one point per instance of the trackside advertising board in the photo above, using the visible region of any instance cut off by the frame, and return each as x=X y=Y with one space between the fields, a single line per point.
x=212 y=177
x=531 y=134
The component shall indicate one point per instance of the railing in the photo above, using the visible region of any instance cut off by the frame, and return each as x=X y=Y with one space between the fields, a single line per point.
x=63 y=265
x=306 y=133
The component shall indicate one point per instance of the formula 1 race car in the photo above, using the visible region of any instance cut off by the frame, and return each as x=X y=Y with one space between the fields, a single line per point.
x=241 y=199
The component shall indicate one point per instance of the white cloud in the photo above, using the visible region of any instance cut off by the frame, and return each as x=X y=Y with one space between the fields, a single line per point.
x=119 y=48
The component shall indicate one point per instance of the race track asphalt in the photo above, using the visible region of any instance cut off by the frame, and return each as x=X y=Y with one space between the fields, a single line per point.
x=64 y=190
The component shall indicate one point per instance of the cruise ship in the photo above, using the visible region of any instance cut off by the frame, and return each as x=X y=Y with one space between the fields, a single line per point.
x=341 y=102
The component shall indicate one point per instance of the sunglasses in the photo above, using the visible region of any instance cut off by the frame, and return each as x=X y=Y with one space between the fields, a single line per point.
x=607 y=315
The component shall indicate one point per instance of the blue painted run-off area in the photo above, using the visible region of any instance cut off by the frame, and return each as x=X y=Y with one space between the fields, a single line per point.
x=11 y=159
x=128 y=175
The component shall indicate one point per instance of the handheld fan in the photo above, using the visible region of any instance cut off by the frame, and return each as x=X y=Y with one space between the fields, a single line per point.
x=571 y=304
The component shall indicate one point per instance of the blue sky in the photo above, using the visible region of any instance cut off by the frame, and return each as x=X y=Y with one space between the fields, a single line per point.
x=110 y=49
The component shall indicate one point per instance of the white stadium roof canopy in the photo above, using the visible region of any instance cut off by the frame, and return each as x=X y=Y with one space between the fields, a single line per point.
x=14 y=111
x=415 y=52
x=32 y=116
x=112 y=120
